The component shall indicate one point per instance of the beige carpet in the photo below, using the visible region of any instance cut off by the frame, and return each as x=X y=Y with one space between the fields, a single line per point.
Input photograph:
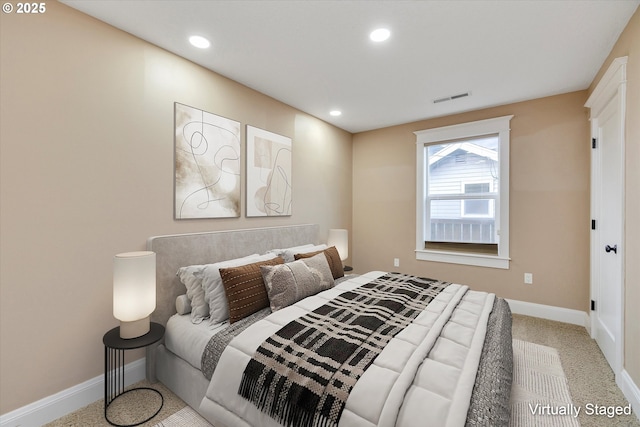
x=185 y=417
x=540 y=391
x=125 y=410
x=591 y=380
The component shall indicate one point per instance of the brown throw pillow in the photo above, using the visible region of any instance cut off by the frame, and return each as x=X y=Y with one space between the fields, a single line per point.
x=333 y=258
x=245 y=289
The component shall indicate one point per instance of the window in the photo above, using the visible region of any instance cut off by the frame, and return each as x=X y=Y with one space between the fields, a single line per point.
x=463 y=193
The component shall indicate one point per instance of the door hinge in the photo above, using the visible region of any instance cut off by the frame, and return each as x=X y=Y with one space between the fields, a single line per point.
x=593 y=143
x=593 y=224
x=593 y=305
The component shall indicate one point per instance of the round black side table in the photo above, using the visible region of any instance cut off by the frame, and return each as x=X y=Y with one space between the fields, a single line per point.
x=114 y=348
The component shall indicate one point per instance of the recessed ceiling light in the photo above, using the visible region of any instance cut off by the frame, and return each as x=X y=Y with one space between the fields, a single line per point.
x=335 y=113
x=380 y=35
x=199 y=42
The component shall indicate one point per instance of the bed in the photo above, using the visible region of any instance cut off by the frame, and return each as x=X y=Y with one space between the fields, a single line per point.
x=453 y=357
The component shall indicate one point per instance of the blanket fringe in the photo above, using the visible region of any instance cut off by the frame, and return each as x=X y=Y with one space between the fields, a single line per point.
x=282 y=411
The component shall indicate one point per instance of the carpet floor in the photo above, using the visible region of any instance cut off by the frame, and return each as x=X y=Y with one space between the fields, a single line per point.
x=590 y=379
x=185 y=417
x=539 y=382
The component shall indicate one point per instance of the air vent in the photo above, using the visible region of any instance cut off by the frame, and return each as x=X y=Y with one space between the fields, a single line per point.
x=452 y=97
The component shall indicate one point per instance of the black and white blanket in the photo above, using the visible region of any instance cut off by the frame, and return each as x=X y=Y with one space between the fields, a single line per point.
x=302 y=375
x=432 y=363
x=218 y=342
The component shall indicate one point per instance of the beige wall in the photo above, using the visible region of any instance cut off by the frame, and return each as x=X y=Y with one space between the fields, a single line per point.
x=86 y=172
x=549 y=202
x=629 y=45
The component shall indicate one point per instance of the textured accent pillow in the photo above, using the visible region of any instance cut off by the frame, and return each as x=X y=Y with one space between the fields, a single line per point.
x=333 y=258
x=190 y=277
x=214 y=294
x=288 y=253
x=245 y=289
x=291 y=282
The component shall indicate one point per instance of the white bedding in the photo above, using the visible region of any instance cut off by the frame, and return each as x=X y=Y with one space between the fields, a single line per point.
x=431 y=364
x=188 y=340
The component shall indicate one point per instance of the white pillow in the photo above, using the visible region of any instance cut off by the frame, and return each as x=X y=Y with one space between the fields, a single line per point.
x=214 y=293
x=183 y=306
x=288 y=253
x=190 y=277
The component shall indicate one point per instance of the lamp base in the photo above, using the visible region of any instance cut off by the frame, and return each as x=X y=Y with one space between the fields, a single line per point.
x=135 y=329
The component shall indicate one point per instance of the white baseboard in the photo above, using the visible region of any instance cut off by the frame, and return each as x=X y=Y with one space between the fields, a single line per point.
x=62 y=403
x=630 y=391
x=549 y=312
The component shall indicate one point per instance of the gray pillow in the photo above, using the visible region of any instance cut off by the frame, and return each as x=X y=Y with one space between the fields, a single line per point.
x=183 y=306
x=214 y=294
x=291 y=282
x=190 y=277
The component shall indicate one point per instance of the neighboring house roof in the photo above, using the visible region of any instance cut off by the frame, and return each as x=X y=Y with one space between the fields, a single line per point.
x=469 y=147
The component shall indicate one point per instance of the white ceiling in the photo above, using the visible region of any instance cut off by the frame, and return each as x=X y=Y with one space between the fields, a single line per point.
x=316 y=55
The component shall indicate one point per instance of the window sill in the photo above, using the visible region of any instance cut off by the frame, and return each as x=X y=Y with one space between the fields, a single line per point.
x=478 y=260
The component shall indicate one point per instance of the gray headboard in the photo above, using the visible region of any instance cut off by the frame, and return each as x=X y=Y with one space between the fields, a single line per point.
x=179 y=250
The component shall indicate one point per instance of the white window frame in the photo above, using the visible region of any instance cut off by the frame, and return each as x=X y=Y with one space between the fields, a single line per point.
x=497 y=126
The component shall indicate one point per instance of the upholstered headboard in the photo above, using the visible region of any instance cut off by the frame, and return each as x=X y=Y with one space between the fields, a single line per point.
x=180 y=250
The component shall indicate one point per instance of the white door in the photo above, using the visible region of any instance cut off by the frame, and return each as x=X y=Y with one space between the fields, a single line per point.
x=607 y=103
x=608 y=299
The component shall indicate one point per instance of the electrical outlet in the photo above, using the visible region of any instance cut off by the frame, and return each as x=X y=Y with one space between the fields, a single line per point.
x=528 y=278
x=396 y=262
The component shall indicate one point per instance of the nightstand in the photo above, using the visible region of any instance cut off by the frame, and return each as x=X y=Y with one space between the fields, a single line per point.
x=114 y=348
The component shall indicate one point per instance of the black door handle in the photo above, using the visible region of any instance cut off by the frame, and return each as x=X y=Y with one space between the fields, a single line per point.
x=613 y=248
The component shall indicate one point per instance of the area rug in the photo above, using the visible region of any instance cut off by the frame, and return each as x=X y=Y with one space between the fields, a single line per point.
x=539 y=395
x=540 y=392
x=185 y=417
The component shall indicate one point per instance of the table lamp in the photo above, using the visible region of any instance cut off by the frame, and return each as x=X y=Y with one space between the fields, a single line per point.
x=134 y=292
x=340 y=239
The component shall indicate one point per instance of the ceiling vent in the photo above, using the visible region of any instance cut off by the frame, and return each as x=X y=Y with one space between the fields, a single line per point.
x=451 y=98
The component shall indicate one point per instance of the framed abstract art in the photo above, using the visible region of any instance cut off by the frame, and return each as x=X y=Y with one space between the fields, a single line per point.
x=269 y=186
x=207 y=164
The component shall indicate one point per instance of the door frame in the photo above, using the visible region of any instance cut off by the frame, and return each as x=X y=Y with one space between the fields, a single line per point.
x=611 y=88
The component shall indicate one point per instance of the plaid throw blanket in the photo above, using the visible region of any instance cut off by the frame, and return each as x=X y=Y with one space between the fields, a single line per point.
x=302 y=375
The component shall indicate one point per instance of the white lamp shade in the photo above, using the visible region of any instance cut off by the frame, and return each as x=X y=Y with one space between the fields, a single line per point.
x=134 y=291
x=340 y=239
